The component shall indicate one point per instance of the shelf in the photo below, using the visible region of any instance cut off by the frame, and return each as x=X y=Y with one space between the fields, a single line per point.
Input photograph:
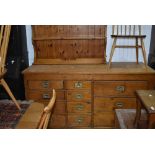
x=70 y=38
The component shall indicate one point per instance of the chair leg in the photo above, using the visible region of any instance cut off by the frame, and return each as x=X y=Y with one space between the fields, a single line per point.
x=4 y=84
x=112 y=52
x=143 y=52
x=137 y=50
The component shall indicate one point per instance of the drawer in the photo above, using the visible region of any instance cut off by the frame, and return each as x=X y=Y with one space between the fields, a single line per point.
x=46 y=84
x=104 y=120
x=79 y=96
x=118 y=88
x=79 y=107
x=102 y=104
x=57 y=121
x=81 y=120
x=77 y=84
x=45 y=95
x=59 y=107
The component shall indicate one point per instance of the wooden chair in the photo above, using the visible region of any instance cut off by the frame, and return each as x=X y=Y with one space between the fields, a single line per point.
x=43 y=123
x=37 y=115
x=4 y=41
x=128 y=32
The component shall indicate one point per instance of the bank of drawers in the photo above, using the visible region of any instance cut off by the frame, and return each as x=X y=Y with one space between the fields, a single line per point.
x=79 y=103
x=73 y=104
x=109 y=95
x=76 y=107
x=41 y=91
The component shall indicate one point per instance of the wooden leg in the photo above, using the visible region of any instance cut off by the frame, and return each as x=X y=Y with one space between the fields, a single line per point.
x=112 y=52
x=138 y=113
x=143 y=52
x=4 y=84
x=137 y=50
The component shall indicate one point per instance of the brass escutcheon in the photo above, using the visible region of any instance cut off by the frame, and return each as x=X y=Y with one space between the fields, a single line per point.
x=78 y=84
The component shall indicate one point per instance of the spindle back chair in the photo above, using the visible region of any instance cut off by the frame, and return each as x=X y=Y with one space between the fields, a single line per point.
x=4 y=41
x=128 y=32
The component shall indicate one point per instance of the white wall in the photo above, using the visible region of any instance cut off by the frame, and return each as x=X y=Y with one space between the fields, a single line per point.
x=119 y=55
x=29 y=44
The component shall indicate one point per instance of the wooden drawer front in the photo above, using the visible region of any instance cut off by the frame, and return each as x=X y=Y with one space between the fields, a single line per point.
x=109 y=104
x=79 y=120
x=79 y=96
x=59 y=107
x=78 y=107
x=77 y=84
x=57 y=121
x=135 y=85
x=104 y=119
x=118 y=88
x=46 y=84
x=45 y=95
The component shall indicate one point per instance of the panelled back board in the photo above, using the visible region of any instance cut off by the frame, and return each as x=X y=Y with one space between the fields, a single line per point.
x=69 y=44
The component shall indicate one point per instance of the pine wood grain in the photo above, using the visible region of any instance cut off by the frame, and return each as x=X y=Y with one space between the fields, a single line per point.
x=117 y=68
x=69 y=44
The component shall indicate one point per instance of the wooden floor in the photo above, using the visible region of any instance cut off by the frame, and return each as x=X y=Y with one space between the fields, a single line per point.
x=124 y=119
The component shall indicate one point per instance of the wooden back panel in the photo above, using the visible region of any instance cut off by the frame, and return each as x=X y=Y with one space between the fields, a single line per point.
x=41 y=32
x=69 y=44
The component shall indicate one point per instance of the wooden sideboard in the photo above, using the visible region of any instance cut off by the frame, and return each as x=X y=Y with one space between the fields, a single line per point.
x=87 y=95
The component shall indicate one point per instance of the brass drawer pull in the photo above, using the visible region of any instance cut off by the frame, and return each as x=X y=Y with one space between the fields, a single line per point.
x=46 y=96
x=45 y=84
x=79 y=120
x=79 y=96
x=120 y=88
x=79 y=107
x=119 y=104
x=78 y=84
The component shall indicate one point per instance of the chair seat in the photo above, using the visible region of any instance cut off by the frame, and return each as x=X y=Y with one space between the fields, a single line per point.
x=31 y=117
x=128 y=36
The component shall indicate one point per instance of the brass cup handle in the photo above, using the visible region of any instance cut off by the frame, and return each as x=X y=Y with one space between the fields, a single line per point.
x=120 y=88
x=79 y=107
x=78 y=84
x=46 y=96
x=79 y=96
x=79 y=120
x=45 y=84
x=119 y=104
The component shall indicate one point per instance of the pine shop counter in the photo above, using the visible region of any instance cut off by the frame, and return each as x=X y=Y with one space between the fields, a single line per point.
x=87 y=95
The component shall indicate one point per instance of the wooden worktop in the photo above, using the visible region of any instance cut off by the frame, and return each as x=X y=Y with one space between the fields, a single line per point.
x=116 y=68
x=147 y=98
